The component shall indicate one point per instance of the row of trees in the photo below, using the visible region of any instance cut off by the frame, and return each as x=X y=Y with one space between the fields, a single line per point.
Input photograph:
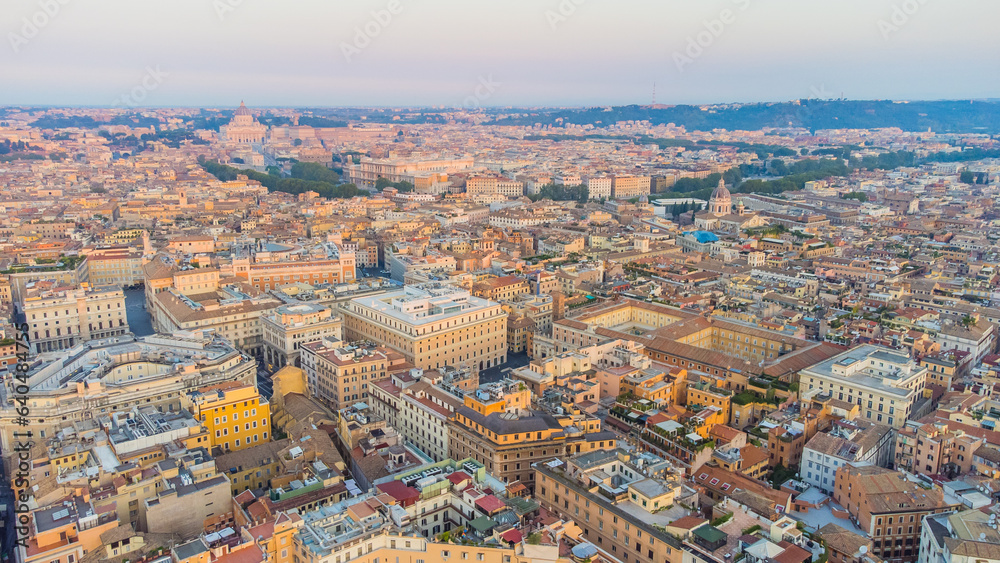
x=306 y=177
x=403 y=186
x=7 y=146
x=555 y=192
x=798 y=174
x=969 y=177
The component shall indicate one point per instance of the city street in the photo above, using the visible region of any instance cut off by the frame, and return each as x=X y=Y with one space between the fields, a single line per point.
x=264 y=382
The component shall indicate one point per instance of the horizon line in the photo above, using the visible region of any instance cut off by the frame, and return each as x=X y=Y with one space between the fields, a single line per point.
x=499 y=107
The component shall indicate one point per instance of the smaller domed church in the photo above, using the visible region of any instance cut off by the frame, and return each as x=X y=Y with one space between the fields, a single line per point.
x=720 y=217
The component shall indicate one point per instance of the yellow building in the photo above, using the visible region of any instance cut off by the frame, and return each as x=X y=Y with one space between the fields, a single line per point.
x=235 y=415
x=706 y=395
x=653 y=494
x=501 y=289
x=252 y=468
x=503 y=396
x=114 y=266
x=64 y=532
x=655 y=385
x=940 y=369
x=279 y=546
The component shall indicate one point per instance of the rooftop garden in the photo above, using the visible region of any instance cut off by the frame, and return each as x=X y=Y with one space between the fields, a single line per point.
x=780 y=474
x=749 y=396
x=628 y=401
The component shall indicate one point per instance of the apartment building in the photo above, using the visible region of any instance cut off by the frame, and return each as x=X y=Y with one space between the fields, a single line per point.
x=342 y=374
x=60 y=317
x=846 y=546
x=365 y=252
x=509 y=442
x=365 y=529
x=501 y=288
x=705 y=394
x=622 y=529
x=977 y=339
x=47 y=229
x=518 y=218
x=537 y=308
x=934 y=448
x=444 y=389
x=432 y=325
x=401 y=266
x=113 y=266
x=423 y=417
x=288 y=327
x=366 y=173
x=235 y=415
x=233 y=310
x=846 y=442
x=598 y=187
x=267 y=269
x=194 y=496
x=966 y=536
x=192 y=244
x=65 y=532
x=163 y=273
x=493 y=185
x=627 y=187
x=887 y=507
x=884 y=383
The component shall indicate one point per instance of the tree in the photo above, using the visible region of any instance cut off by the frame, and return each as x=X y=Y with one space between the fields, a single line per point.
x=297 y=142
x=315 y=172
x=402 y=186
x=966 y=177
x=324 y=183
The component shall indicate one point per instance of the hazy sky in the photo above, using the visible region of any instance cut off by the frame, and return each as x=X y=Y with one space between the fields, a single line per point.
x=517 y=52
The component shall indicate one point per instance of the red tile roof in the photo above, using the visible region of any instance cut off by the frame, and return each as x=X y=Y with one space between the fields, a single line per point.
x=404 y=495
x=489 y=504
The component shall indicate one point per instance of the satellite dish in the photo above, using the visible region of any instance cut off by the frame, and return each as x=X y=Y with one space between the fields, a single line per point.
x=863 y=549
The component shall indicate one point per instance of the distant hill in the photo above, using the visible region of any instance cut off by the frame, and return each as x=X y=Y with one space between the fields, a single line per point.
x=955 y=116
